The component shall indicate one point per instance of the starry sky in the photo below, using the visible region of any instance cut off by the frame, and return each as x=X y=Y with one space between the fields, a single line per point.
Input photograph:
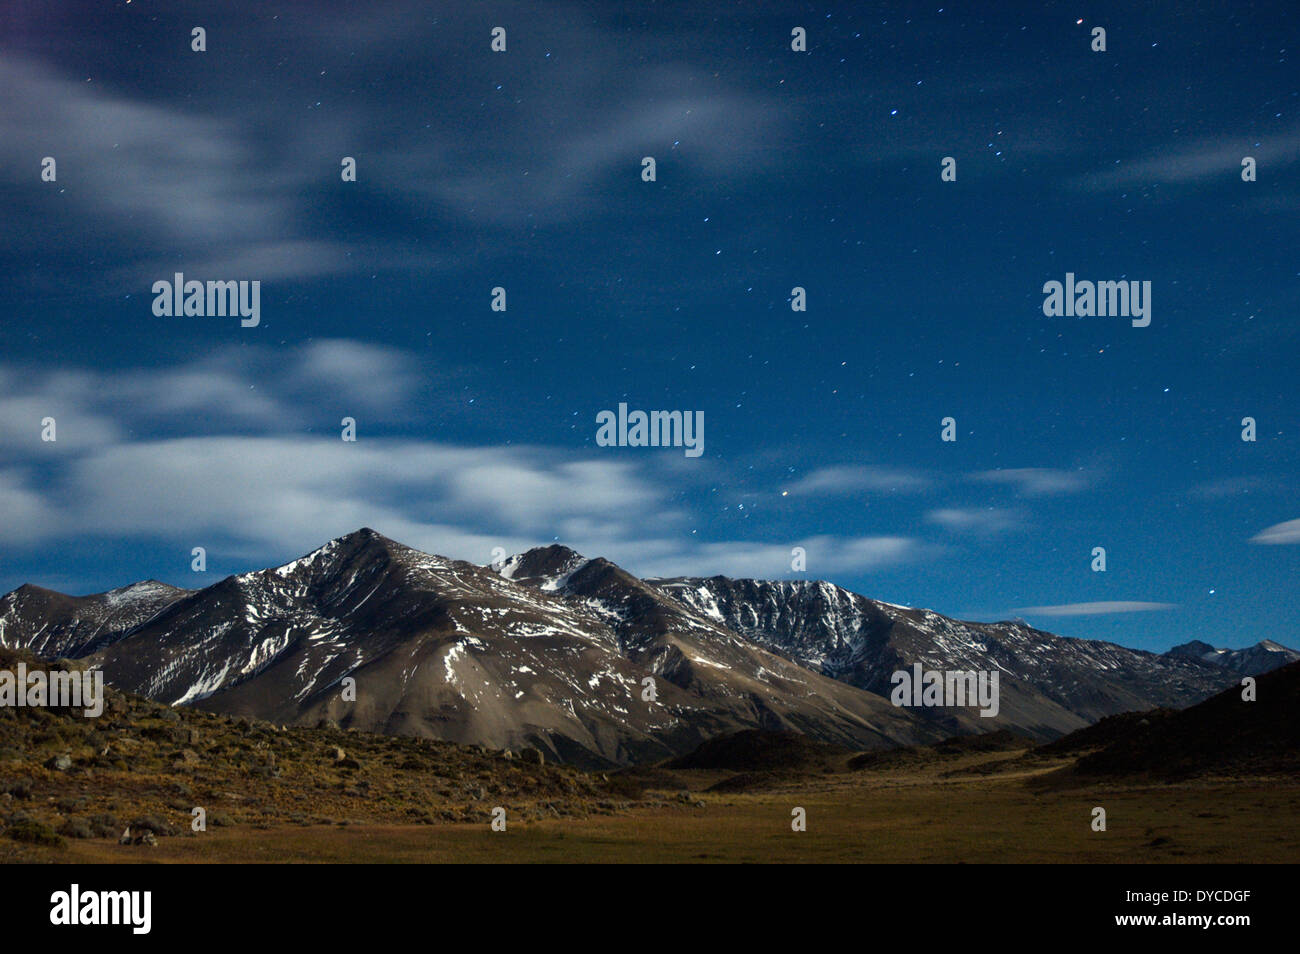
x=774 y=169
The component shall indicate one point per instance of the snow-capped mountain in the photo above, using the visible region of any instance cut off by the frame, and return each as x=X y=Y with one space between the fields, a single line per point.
x=444 y=648
x=1048 y=684
x=1264 y=656
x=574 y=655
x=52 y=624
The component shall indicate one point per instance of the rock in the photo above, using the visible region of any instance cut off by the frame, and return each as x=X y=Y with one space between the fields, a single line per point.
x=532 y=756
x=60 y=763
x=126 y=837
x=151 y=823
x=335 y=753
x=192 y=737
x=147 y=838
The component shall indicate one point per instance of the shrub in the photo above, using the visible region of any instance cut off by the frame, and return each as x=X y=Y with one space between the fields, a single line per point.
x=104 y=825
x=21 y=789
x=33 y=832
x=77 y=828
x=155 y=823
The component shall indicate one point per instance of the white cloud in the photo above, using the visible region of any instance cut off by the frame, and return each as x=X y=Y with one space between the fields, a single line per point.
x=374 y=376
x=286 y=495
x=231 y=388
x=27 y=516
x=77 y=424
x=1035 y=481
x=847 y=480
x=1288 y=532
x=1206 y=160
x=262 y=481
x=1231 y=487
x=973 y=520
x=1094 y=609
x=272 y=488
x=826 y=555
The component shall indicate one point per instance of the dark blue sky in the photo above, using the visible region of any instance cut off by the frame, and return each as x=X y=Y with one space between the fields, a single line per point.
x=775 y=169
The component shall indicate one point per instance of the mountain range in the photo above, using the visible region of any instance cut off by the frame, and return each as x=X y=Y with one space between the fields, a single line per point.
x=578 y=658
x=1264 y=656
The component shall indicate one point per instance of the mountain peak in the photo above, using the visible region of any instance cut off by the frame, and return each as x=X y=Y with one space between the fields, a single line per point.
x=1194 y=647
x=362 y=536
x=359 y=546
x=143 y=590
x=548 y=567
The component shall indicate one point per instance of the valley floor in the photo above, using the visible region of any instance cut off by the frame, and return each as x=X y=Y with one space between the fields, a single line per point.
x=978 y=809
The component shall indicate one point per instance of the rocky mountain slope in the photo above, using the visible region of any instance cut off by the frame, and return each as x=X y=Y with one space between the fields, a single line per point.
x=576 y=656
x=133 y=776
x=446 y=649
x=52 y=624
x=1224 y=735
x=1048 y=684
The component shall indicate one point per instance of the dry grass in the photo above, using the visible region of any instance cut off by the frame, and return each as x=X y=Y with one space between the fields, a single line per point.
x=907 y=816
x=277 y=795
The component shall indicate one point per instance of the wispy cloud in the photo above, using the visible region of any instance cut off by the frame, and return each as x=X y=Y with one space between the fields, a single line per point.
x=287 y=494
x=1036 y=481
x=825 y=555
x=1200 y=162
x=987 y=520
x=867 y=478
x=263 y=479
x=1230 y=487
x=276 y=488
x=239 y=188
x=1287 y=532
x=1094 y=609
x=230 y=389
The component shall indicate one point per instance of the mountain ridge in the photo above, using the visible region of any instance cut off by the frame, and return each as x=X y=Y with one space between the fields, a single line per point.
x=452 y=650
x=552 y=649
x=1264 y=656
x=1049 y=684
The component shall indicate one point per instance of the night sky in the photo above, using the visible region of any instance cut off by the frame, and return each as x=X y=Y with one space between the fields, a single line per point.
x=775 y=169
